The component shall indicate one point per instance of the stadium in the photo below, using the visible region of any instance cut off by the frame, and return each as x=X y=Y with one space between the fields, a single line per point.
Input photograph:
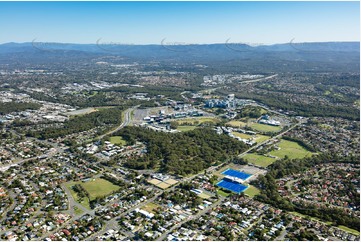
x=233 y=181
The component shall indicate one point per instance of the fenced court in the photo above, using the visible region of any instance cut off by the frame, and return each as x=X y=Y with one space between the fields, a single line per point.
x=232 y=185
x=238 y=174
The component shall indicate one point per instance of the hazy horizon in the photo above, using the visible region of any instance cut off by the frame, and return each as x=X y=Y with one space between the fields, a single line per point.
x=145 y=23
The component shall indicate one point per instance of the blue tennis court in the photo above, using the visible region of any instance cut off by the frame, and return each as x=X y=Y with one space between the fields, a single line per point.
x=232 y=185
x=238 y=174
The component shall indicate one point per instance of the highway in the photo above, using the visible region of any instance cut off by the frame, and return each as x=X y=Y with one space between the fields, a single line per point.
x=125 y=122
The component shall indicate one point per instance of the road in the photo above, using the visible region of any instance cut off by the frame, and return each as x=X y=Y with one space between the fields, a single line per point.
x=260 y=79
x=273 y=138
x=126 y=121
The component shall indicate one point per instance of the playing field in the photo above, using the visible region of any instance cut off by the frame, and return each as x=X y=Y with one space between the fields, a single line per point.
x=117 y=140
x=259 y=160
x=291 y=149
x=99 y=187
x=185 y=128
x=265 y=127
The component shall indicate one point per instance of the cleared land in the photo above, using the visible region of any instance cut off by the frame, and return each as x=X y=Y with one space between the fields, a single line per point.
x=242 y=136
x=196 y=120
x=186 y=128
x=117 y=140
x=204 y=196
x=82 y=111
x=154 y=181
x=236 y=123
x=291 y=149
x=150 y=207
x=260 y=138
x=259 y=160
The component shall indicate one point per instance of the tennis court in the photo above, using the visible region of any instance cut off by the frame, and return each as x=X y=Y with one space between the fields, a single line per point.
x=238 y=174
x=232 y=185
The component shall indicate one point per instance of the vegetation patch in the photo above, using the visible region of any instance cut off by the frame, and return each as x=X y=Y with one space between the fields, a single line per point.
x=117 y=140
x=185 y=128
x=84 y=201
x=10 y=107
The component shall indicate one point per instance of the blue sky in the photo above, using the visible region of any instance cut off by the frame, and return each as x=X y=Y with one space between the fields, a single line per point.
x=179 y=22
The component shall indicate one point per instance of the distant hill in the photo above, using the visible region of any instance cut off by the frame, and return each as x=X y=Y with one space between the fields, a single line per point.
x=297 y=56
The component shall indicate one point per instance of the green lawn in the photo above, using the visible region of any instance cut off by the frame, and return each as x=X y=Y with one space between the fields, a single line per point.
x=186 y=128
x=291 y=149
x=99 y=187
x=259 y=160
x=96 y=188
x=85 y=201
x=352 y=231
x=150 y=207
x=236 y=123
x=117 y=140
x=78 y=211
x=260 y=138
x=251 y=191
x=242 y=136
x=223 y=193
x=265 y=127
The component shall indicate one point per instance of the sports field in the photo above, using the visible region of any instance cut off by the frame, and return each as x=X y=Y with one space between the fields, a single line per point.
x=259 y=160
x=99 y=187
x=117 y=140
x=291 y=149
x=265 y=127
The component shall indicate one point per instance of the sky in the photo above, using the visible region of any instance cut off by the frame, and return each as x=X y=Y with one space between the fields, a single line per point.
x=179 y=22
